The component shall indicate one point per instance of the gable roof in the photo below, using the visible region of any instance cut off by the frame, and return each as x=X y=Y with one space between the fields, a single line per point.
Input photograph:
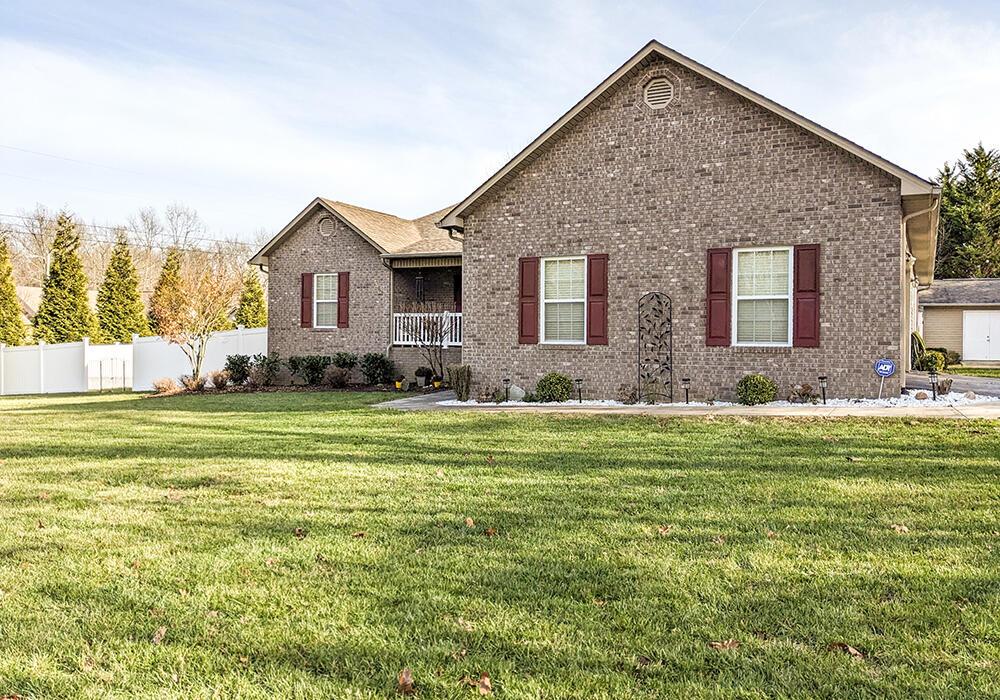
x=389 y=235
x=961 y=292
x=911 y=184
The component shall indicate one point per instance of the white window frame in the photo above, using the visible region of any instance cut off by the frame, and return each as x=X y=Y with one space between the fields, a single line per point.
x=543 y=302
x=317 y=302
x=737 y=298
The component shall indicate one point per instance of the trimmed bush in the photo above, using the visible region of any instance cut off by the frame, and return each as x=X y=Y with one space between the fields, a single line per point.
x=931 y=360
x=337 y=377
x=165 y=385
x=376 y=368
x=756 y=389
x=345 y=360
x=264 y=369
x=460 y=378
x=554 y=387
x=220 y=379
x=950 y=356
x=309 y=368
x=238 y=367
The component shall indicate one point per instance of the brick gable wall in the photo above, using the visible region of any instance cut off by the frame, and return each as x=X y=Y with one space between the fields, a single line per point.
x=656 y=189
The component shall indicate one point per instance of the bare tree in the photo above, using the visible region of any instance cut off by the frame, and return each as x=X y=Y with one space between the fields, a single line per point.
x=147 y=237
x=430 y=327
x=183 y=225
x=201 y=304
x=33 y=245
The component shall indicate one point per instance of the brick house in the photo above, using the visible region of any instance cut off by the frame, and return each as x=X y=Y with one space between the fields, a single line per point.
x=783 y=248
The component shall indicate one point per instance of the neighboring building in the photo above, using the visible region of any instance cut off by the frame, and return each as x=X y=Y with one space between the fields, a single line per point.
x=784 y=248
x=963 y=315
x=341 y=277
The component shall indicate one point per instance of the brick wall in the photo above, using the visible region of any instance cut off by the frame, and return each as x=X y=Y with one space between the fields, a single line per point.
x=654 y=189
x=305 y=250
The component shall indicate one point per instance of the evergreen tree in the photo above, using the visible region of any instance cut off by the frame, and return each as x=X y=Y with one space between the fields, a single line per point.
x=168 y=289
x=969 y=233
x=11 y=326
x=252 y=309
x=119 y=306
x=64 y=314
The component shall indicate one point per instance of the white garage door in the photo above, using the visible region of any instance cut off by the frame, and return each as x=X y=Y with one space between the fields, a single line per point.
x=981 y=335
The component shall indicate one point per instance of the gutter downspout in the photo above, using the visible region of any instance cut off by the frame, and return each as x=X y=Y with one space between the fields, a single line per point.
x=904 y=287
x=392 y=275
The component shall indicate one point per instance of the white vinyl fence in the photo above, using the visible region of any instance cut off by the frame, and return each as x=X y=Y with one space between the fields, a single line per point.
x=79 y=367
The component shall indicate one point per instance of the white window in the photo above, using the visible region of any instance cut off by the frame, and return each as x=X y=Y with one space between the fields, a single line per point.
x=325 y=301
x=564 y=300
x=762 y=280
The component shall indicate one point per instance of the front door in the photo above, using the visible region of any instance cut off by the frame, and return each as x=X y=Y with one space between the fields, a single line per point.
x=980 y=335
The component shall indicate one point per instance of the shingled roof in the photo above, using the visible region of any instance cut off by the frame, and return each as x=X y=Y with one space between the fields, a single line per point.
x=392 y=236
x=961 y=292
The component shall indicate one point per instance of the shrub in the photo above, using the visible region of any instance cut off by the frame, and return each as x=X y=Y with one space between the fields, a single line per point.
x=220 y=379
x=238 y=367
x=165 y=385
x=376 y=368
x=802 y=393
x=489 y=394
x=264 y=369
x=931 y=360
x=192 y=383
x=755 y=389
x=950 y=356
x=554 y=386
x=345 y=360
x=337 y=377
x=460 y=378
x=309 y=368
x=628 y=394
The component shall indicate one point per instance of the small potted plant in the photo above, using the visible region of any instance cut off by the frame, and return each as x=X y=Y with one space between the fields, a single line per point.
x=425 y=373
x=437 y=379
x=399 y=382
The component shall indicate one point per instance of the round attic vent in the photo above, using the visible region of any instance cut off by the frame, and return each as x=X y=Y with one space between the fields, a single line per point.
x=658 y=93
x=325 y=226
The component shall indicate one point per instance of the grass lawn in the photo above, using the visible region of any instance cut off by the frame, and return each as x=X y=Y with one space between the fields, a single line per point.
x=211 y=546
x=974 y=371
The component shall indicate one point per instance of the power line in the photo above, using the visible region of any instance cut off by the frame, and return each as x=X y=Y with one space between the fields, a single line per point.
x=73 y=160
x=90 y=238
x=205 y=239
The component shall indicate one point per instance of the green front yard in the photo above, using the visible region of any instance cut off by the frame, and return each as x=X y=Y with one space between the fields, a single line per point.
x=308 y=546
x=974 y=371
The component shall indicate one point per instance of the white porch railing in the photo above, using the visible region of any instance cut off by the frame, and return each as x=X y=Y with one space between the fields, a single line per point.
x=423 y=328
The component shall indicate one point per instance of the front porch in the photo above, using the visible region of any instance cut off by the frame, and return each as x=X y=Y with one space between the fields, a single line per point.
x=427 y=301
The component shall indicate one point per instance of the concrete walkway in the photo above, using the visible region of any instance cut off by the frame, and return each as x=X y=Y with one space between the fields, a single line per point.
x=429 y=402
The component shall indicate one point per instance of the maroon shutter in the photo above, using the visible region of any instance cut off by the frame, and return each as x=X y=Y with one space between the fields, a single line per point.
x=343 y=298
x=307 y=300
x=597 y=299
x=527 y=329
x=718 y=302
x=805 y=297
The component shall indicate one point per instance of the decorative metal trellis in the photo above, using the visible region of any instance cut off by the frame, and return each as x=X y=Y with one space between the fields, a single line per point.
x=656 y=348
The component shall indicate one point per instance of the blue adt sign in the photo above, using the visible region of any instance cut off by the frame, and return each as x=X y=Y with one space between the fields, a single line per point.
x=885 y=368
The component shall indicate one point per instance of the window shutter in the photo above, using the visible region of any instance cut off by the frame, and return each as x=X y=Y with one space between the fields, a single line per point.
x=307 y=300
x=527 y=330
x=805 y=297
x=343 y=298
x=718 y=304
x=597 y=299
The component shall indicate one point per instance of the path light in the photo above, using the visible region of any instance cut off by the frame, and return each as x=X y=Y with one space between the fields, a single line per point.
x=822 y=385
x=579 y=390
x=932 y=375
x=686 y=386
x=506 y=388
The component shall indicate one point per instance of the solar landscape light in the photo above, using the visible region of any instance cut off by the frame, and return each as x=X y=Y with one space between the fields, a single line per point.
x=822 y=386
x=579 y=390
x=933 y=377
x=506 y=388
x=686 y=386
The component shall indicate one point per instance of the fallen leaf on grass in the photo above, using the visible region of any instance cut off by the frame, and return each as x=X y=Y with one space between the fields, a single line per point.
x=900 y=529
x=490 y=459
x=40 y=525
x=173 y=494
x=719 y=540
x=847 y=649
x=460 y=654
x=359 y=534
x=469 y=522
x=643 y=661
x=771 y=534
x=212 y=613
x=855 y=459
x=485 y=684
x=725 y=645
x=465 y=624
x=159 y=635
x=405 y=685
x=45 y=496
x=490 y=532
x=664 y=530
x=300 y=533
x=439 y=472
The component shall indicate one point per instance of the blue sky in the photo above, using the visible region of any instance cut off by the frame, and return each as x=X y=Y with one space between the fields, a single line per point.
x=246 y=111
